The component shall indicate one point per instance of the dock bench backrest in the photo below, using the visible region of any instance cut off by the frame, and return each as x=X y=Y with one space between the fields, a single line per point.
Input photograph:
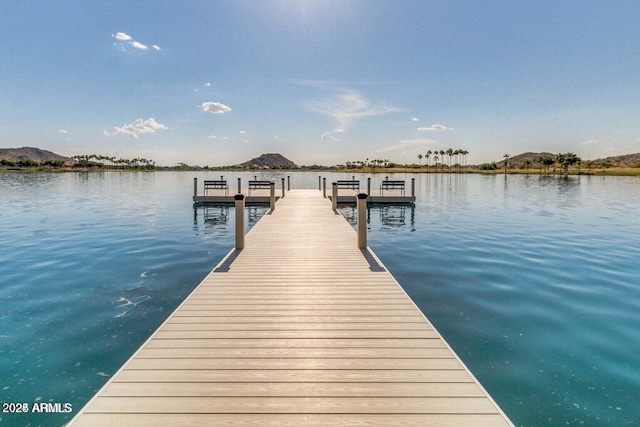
x=215 y=185
x=392 y=185
x=354 y=185
x=257 y=185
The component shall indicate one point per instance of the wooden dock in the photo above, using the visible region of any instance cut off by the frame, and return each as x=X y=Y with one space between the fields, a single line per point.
x=300 y=328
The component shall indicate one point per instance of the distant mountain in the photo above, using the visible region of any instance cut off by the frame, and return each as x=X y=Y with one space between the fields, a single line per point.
x=31 y=153
x=626 y=160
x=517 y=161
x=270 y=161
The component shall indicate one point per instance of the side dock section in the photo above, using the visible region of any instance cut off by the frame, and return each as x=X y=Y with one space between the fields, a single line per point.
x=299 y=328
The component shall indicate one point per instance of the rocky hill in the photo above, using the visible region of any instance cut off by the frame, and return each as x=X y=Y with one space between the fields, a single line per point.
x=517 y=161
x=270 y=161
x=31 y=153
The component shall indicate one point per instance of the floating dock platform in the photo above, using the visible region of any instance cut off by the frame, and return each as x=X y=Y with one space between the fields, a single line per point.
x=298 y=328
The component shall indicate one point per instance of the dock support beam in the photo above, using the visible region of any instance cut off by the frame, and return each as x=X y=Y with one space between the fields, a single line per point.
x=334 y=196
x=413 y=187
x=195 y=186
x=324 y=187
x=369 y=186
x=319 y=181
x=239 y=198
x=288 y=182
x=362 y=221
x=272 y=196
x=283 y=188
x=239 y=185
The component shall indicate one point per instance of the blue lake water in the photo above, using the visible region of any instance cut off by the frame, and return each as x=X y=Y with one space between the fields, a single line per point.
x=534 y=281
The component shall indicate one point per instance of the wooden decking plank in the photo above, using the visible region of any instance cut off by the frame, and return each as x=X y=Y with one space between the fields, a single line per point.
x=284 y=405
x=295 y=389
x=291 y=420
x=298 y=328
x=293 y=375
x=294 y=363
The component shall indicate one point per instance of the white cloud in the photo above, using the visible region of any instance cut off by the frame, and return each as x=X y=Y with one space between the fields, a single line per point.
x=124 y=40
x=329 y=137
x=349 y=105
x=339 y=130
x=122 y=36
x=63 y=131
x=139 y=127
x=138 y=45
x=415 y=119
x=243 y=132
x=592 y=141
x=406 y=145
x=214 y=107
x=433 y=128
x=106 y=133
x=208 y=84
x=212 y=137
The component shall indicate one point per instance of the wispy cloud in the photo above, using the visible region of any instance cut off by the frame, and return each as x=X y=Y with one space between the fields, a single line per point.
x=349 y=105
x=125 y=41
x=415 y=119
x=338 y=130
x=329 y=137
x=592 y=141
x=405 y=145
x=433 y=128
x=63 y=131
x=212 y=137
x=214 y=107
x=137 y=128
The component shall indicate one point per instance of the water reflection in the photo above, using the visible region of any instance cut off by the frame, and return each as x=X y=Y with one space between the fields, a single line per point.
x=218 y=218
x=392 y=217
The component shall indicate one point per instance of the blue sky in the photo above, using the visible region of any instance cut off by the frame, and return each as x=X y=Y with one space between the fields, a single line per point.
x=320 y=81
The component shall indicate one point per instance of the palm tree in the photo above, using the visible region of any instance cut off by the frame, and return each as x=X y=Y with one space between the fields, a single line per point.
x=527 y=163
x=435 y=160
x=506 y=161
x=428 y=156
x=420 y=159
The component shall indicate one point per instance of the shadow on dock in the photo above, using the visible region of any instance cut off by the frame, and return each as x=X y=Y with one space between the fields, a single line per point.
x=226 y=264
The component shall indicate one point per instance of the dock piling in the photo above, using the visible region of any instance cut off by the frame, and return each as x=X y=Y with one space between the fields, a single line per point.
x=413 y=187
x=272 y=195
x=334 y=196
x=319 y=185
x=362 y=221
x=369 y=186
x=288 y=182
x=324 y=187
x=282 y=187
x=239 y=185
x=195 y=186
x=239 y=199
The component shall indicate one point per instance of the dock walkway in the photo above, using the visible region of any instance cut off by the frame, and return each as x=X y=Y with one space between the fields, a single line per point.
x=299 y=328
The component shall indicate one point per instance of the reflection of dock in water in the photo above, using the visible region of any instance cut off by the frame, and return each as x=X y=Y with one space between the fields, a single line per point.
x=391 y=216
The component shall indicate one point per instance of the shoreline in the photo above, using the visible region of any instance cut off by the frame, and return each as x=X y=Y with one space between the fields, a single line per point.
x=613 y=171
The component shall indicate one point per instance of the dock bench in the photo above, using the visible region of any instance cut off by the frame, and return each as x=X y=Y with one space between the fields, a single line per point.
x=216 y=185
x=348 y=184
x=259 y=185
x=392 y=185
